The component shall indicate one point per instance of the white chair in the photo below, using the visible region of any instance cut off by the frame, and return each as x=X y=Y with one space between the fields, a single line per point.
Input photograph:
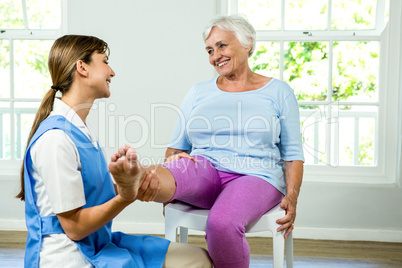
x=186 y=217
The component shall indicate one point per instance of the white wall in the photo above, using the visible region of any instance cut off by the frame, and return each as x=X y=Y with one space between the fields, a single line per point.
x=158 y=54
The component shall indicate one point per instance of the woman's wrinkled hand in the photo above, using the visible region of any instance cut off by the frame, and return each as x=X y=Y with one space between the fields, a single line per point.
x=289 y=205
x=178 y=156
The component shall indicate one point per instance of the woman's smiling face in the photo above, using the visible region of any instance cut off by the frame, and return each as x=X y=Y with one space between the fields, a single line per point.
x=226 y=53
x=101 y=74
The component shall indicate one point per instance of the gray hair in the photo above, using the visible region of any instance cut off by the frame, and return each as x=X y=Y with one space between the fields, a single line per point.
x=236 y=24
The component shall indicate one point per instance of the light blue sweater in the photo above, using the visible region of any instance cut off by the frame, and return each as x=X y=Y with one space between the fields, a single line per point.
x=249 y=132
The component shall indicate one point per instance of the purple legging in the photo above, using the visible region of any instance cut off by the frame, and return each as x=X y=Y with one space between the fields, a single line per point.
x=235 y=200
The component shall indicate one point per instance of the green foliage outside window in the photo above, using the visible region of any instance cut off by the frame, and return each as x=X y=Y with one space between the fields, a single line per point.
x=30 y=77
x=306 y=69
x=11 y=15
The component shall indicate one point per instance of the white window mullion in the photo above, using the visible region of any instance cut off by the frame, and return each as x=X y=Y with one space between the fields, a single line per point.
x=64 y=17
x=233 y=7
x=356 y=150
x=22 y=99
x=283 y=15
x=328 y=134
x=329 y=17
x=25 y=14
x=11 y=55
x=316 y=139
x=281 y=59
x=335 y=115
x=384 y=83
x=317 y=36
x=329 y=119
x=335 y=127
x=380 y=12
x=1 y=136
x=330 y=70
x=226 y=7
x=18 y=145
x=12 y=125
x=376 y=133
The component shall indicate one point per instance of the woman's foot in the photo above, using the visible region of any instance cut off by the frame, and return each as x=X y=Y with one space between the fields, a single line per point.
x=127 y=172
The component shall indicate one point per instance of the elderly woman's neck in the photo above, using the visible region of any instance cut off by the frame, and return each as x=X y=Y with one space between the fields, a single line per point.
x=244 y=81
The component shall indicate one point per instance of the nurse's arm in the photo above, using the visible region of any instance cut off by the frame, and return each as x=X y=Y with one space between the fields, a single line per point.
x=81 y=222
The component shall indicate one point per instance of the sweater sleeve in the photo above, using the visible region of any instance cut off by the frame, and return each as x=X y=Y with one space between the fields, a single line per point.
x=291 y=146
x=179 y=139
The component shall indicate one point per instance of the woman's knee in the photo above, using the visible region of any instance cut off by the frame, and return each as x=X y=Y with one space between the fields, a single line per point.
x=224 y=225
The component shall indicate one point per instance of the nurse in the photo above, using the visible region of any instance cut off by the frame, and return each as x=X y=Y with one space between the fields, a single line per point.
x=70 y=199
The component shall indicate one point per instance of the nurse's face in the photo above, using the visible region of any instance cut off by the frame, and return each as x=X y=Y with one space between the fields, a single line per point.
x=100 y=75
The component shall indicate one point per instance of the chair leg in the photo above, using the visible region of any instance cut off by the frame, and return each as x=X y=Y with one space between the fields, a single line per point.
x=279 y=249
x=170 y=231
x=289 y=251
x=183 y=238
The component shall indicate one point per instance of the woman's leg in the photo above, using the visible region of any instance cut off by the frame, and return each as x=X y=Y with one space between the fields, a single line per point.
x=186 y=256
x=196 y=183
x=242 y=200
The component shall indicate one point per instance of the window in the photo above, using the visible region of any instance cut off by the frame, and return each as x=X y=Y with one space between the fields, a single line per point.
x=331 y=53
x=27 y=31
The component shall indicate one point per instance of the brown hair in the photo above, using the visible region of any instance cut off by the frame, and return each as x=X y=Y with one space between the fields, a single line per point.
x=63 y=56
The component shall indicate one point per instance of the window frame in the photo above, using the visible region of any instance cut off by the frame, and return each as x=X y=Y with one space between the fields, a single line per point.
x=386 y=172
x=11 y=167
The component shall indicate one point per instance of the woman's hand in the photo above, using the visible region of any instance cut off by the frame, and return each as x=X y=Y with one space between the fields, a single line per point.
x=293 y=176
x=289 y=205
x=178 y=156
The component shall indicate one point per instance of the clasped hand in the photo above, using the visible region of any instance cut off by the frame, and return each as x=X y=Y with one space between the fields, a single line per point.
x=133 y=181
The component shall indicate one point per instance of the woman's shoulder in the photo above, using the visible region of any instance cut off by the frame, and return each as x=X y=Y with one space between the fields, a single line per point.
x=203 y=89
x=278 y=88
x=211 y=83
x=281 y=85
x=51 y=139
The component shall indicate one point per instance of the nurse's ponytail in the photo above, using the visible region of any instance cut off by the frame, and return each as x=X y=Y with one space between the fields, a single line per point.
x=63 y=56
x=43 y=112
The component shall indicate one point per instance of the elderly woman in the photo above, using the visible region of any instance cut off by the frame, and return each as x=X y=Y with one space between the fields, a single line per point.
x=236 y=151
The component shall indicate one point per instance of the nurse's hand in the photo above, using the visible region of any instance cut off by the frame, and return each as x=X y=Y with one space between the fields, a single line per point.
x=149 y=187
